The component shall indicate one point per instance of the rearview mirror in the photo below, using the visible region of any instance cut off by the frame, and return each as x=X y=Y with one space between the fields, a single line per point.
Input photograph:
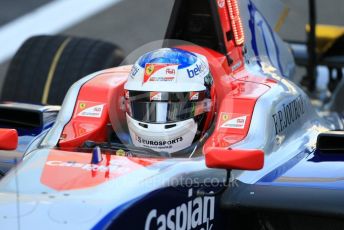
x=8 y=139
x=244 y=159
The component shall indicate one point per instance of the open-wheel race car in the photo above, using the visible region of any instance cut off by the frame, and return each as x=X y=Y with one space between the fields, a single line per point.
x=268 y=159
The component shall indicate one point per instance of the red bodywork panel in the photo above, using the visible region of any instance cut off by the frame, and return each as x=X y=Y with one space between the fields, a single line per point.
x=74 y=171
x=96 y=94
x=234 y=158
x=8 y=139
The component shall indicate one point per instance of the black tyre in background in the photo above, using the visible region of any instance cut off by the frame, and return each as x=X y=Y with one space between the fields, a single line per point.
x=44 y=67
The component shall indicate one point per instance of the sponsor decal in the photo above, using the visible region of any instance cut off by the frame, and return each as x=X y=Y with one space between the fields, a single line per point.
x=113 y=166
x=121 y=153
x=82 y=105
x=236 y=66
x=94 y=111
x=221 y=3
x=288 y=114
x=65 y=170
x=197 y=213
x=160 y=72
x=149 y=69
x=90 y=109
x=234 y=123
x=134 y=71
x=170 y=71
x=155 y=96
x=163 y=143
x=225 y=116
x=170 y=78
x=194 y=96
x=194 y=72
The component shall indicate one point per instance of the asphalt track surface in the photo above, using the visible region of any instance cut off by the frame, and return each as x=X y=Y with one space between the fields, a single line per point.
x=10 y=10
x=132 y=23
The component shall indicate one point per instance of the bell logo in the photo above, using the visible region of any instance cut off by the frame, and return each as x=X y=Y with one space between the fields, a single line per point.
x=196 y=71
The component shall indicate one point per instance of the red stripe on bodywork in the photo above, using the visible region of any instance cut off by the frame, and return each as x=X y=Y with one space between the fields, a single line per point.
x=65 y=170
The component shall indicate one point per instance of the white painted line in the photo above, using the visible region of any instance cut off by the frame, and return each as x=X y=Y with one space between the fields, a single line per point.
x=48 y=19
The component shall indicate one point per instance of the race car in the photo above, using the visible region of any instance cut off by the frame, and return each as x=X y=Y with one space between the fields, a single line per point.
x=269 y=161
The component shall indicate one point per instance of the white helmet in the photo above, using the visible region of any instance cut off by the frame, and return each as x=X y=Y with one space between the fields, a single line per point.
x=168 y=99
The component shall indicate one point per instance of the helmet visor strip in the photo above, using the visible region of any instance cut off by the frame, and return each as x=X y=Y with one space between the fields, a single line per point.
x=144 y=109
x=145 y=96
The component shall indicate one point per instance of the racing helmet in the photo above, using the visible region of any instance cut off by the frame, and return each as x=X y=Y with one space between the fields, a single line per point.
x=168 y=99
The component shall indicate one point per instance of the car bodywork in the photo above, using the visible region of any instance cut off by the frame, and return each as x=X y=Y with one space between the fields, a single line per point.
x=260 y=112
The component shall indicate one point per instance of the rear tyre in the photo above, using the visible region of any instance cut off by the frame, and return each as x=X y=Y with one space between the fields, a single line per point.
x=45 y=67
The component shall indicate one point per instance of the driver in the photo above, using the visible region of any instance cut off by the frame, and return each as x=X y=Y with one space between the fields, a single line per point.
x=169 y=100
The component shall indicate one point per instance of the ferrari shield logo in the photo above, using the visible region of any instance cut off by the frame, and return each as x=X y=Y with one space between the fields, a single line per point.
x=149 y=69
x=225 y=116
